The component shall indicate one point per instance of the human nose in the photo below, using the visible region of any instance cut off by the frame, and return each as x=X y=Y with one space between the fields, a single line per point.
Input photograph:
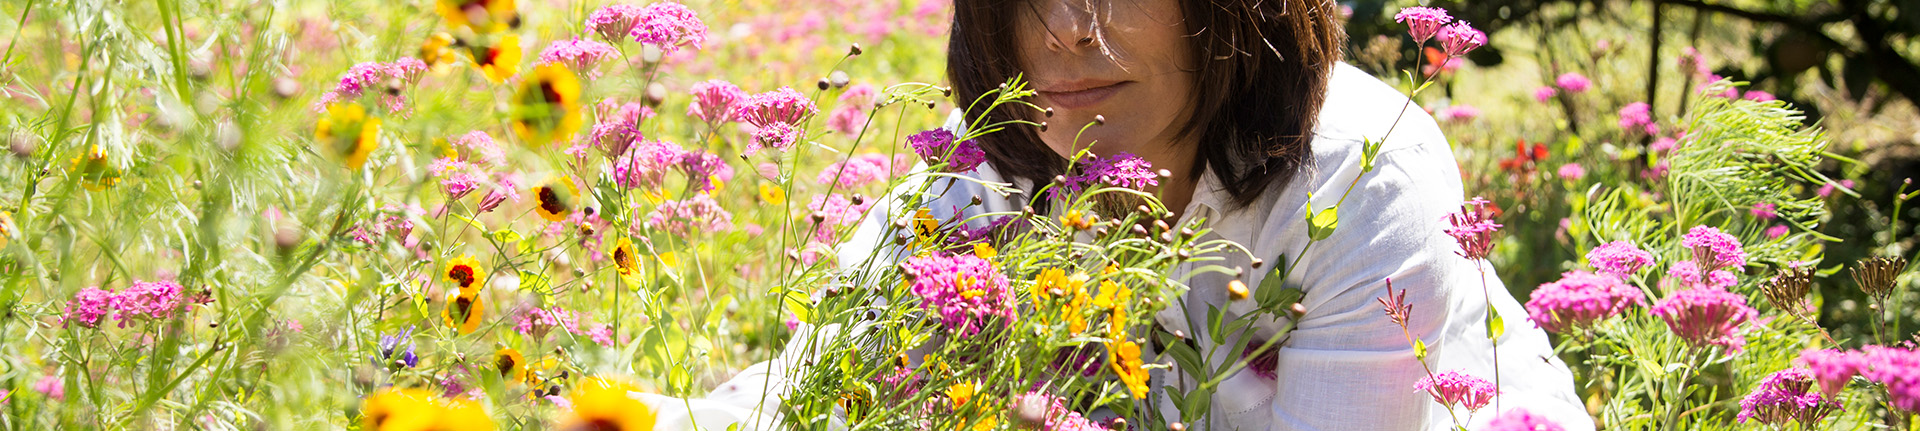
x=1072 y=26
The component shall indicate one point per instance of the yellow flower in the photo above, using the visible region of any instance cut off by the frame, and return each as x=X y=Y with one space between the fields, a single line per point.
x=1114 y=297
x=669 y=259
x=924 y=225
x=393 y=409
x=961 y=393
x=547 y=107
x=7 y=229
x=1125 y=357
x=626 y=262
x=347 y=133
x=482 y=16
x=462 y=414
x=511 y=366
x=1076 y=220
x=437 y=50
x=772 y=194
x=467 y=273
x=604 y=405
x=95 y=171
x=499 y=60
x=1055 y=282
x=463 y=311
x=984 y=251
x=556 y=199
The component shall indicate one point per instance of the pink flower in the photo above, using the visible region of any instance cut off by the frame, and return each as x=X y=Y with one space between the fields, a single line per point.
x=668 y=25
x=833 y=211
x=1619 y=259
x=1457 y=113
x=646 y=165
x=157 y=300
x=1637 y=117
x=1827 y=188
x=537 y=321
x=965 y=292
x=51 y=386
x=1572 y=172
x=682 y=217
x=714 y=101
x=1422 y=22
x=1052 y=413
x=1544 y=93
x=87 y=308
x=1899 y=370
x=1661 y=145
x=703 y=169
x=1759 y=96
x=1691 y=62
x=1832 y=368
x=481 y=146
x=1473 y=228
x=1688 y=275
x=1519 y=419
x=778 y=114
x=1573 y=82
x=1783 y=397
x=1459 y=38
x=1765 y=211
x=938 y=146
x=614 y=21
x=1457 y=388
x=856 y=171
x=1706 y=316
x=580 y=55
x=1579 y=299
x=601 y=335
x=1713 y=249
x=375 y=77
x=846 y=119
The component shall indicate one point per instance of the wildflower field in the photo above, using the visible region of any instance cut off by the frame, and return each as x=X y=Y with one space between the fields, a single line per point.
x=499 y=214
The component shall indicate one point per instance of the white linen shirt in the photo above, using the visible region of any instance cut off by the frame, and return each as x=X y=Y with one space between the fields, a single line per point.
x=1345 y=366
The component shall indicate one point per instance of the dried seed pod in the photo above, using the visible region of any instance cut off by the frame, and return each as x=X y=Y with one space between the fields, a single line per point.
x=1877 y=275
x=1788 y=290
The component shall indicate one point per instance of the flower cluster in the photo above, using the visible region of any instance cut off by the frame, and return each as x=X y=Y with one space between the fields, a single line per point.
x=939 y=146
x=1119 y=170
x=1785 y=396
x=1473 y=228
x=714 y=101
x=1422 y=22
x=1898 y=369
x=668 y=25
x=1580 y=299
x=1619 y=259
x=390 y=354
x=966 y=292
x=863 y=169
x=388 y=79
x=1637 y=117
x=537 y=321
x=1519 y=419
x=778 y=115
x=1573 y=82
x=580 y=55
x=1051 y=413
x=681 y=217
x=1454 y=387
x=144 y=300
x=1460 y=38
x=614 y=21
x=1706 y=316
x=1712 y=249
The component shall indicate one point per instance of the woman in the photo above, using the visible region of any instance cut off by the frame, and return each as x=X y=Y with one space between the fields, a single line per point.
x=1246 y=104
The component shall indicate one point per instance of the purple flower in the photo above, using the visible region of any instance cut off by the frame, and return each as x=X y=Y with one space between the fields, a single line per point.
x=1579 y=299
x=778 y=114
x=1706 y=316
x=1573 y=82
x=668 y=25
x=1519 y=419
x=88 y=307
x=1784 y=397
x=536 y=321
x=964 y=291
x=580 y=55
x=156 y=300
x=1457 y=388
x=390 y=354
x=1899 y=370
x=1618 y=258
x=937 y=146
x=1833 y=368
x=614 y=21
x=682 y=217
x=1459 y=38
x=1473 y=228
x=1422 y=22
x=1544 y=93
x=1714 y=249
x=1119 y=170
x=714 y=101
x=1637 y=117
x=645 y=165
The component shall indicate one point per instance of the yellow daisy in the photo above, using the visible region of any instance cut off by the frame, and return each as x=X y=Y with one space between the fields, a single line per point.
x=437 y=51
x=463 y=311
x=499 y=60
x=462 y=414
x=772 y=194
x=393 y=409
x=511 y=366
x=347 y=133
x=482 y=16
x=626 y=261
x=1125 y=357
x=547 y=107
x=95 y=171
x=556 y=199
x=601 y=404
x=467 y=273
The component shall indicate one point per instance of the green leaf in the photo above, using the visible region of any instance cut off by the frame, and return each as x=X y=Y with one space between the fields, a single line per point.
x=534 y=282
x=1214 y=316
x=1420 y=349
x=1495 y=325
x=1269 y=291
x=1184 y=355
x=1321 y=224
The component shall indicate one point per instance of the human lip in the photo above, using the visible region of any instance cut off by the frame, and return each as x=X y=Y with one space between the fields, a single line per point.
x=1081 y=94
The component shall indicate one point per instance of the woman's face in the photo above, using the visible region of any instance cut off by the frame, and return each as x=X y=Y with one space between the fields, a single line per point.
x=1126 y=60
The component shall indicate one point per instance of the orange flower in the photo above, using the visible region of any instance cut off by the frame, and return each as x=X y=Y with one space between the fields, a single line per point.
x=463 y=311
x=547 y=107
x=482 y=16
x=499 y=60
x=601 y=404
x=467 y=273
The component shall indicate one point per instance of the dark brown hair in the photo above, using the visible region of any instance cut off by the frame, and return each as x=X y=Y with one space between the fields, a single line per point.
x=1263 y=72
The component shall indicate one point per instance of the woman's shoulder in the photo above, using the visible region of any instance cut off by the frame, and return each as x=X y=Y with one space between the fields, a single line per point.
x=1360 y=108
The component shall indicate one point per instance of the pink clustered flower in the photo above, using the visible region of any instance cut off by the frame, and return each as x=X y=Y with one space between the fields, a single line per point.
x=964 y=291
x=1832 y=368
x=1766 y=211
x=51 y=386
x=646 y=164
x=857 y=171
x=580 y=55
x=1777 y=231
x=668 y=25
x=1460 y=38
x=1473 y=228
x=1544 y=93
x=1637 y=117
x=88 y=307
x=1573 y=82
x=1452 y=388
x=1058 y=416
x=1422 y=22
x=1119 y=170
x=1687 y=273
x=480 y=146
x=833 y=211
x=1786 y=396
x=148 y=300
x=1457 y=113
x=1619 y=259
x=1898 y=369
x=1572 y=172
x=778 y=115
x=1827 y=189
x=614 y=21
x=699 y=212
x=714 y=101
x=457 y=178
x=371 y=75
x=848 y=117
x=537 y=321
x=1706 y=316
x=1580 y=299
x=937 y=146
x=1519 y=419
x=1713 y=249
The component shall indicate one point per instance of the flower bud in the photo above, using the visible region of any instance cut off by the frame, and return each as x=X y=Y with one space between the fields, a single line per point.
x=1237 y=290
